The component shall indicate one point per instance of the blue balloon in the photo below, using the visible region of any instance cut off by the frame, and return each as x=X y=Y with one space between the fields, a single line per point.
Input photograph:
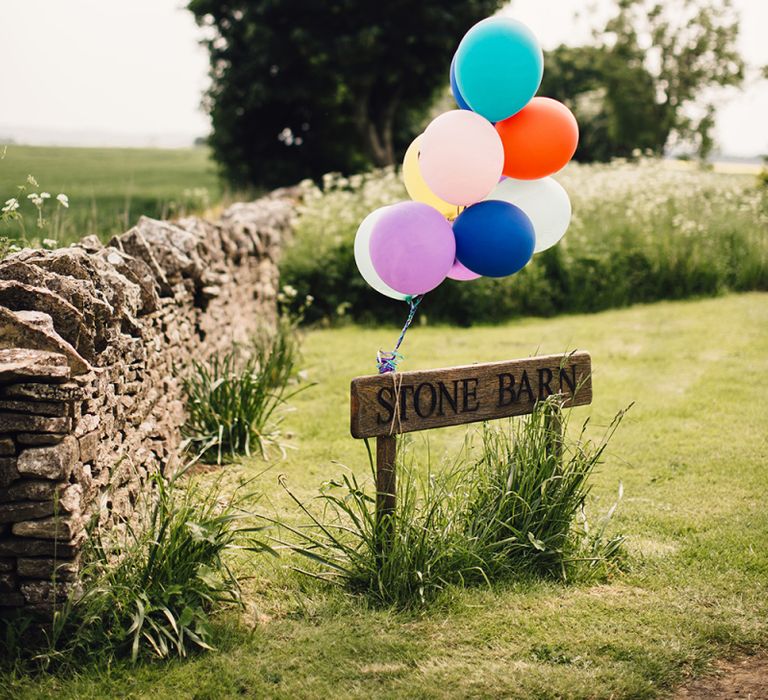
x=455 y=88
x=494 y=238
x=499 y=66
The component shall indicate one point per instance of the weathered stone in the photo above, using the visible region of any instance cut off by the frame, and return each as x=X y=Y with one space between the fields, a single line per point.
x=18 y=422
x=7 y=447
x=32 y=490
x=67 y=320
x=45 y=568
x=55 y=527
x=44 y=592
x=16 y=512
x=27 y=547
x=41 y=408
x=8 y=471
x=90 y=244
x=45 y=392
x=8 y=583
x=89 y=442
x=24 y=363
x=70 y=499
x=7 y=565
x=210 y=292
x=18 y=330
x=40 y=438
x=55 y=462
x=87 y=423
x=140 y=273
x=121 y=295
x=82 y=294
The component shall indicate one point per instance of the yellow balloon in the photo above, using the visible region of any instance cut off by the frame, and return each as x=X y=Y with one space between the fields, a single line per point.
x=417 y=188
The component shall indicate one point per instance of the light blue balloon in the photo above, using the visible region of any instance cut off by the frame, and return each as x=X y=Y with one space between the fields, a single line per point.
x=499 y=66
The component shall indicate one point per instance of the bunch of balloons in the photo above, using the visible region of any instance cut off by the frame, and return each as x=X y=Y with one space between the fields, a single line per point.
x=479 y=176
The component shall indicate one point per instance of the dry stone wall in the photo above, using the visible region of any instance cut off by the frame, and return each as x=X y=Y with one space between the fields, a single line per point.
x=93 y=340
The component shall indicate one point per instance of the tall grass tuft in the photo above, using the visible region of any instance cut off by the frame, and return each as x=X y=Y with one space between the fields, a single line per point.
x=513 y=506
x=232 y=400
x=150 y=590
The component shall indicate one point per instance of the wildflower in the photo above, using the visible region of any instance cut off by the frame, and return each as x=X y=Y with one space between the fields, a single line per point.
x=309 y=300
x=11 y=204
x=45 y=195
x=31 y=181
x=63 y=200
x=37 y=200
x=290 y=291
x=49 y=243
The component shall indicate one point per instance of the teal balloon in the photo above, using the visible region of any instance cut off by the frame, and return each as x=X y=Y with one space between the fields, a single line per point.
x=499 y=66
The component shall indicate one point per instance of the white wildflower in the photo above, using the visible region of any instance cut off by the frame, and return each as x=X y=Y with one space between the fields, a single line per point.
x=290 y=291
x=49 y=243
x=45 y=195
x=62 y=199
x=11 y=204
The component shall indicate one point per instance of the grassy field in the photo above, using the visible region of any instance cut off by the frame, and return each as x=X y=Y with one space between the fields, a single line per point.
x=691 y=455
x=108 y=188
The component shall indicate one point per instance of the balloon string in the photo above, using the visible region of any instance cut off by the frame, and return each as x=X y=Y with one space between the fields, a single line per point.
x=387 y=361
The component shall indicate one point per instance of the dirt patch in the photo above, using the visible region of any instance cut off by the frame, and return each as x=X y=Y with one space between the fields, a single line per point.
x=745 y=678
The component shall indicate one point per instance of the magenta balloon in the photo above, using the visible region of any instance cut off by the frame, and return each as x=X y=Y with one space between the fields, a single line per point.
x=461 y=157
x=461 y=273
x=412 y=247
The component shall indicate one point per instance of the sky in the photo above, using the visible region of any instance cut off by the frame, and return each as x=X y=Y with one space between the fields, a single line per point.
x=110 y=72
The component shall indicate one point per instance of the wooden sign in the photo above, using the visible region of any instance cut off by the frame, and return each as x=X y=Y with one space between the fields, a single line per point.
x=383 y=405
x=401 y=402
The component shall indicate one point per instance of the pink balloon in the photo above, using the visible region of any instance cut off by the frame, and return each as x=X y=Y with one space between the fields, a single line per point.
x=461 y=157
x=412 y=247
x=461 y=273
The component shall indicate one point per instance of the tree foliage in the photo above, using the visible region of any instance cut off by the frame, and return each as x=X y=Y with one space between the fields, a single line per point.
x=300 y=87
x=641 y=84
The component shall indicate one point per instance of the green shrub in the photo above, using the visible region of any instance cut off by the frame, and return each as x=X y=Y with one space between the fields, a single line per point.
x=149 y=589
x=640 y=232
x=232 y=401
x=516 y=508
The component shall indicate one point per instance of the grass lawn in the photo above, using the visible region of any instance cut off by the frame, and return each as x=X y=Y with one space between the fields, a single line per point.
x=691 y=455
x=108 y=188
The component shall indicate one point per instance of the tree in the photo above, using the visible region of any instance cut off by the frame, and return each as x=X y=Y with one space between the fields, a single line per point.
x=613 y=97
x=642 y=84
x=301 y=87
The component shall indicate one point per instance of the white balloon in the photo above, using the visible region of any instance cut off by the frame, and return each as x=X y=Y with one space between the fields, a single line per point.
x=544 y=201
x=363 y=256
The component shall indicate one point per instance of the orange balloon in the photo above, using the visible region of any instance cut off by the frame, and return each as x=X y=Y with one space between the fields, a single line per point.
x=539 y=140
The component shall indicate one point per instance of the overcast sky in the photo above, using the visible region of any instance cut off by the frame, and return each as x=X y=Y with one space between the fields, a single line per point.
x=115 y=72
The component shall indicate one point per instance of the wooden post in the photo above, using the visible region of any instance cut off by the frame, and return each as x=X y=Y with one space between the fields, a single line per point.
x=386 y=477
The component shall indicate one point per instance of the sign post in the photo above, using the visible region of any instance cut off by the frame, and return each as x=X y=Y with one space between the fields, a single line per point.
x=385 y=405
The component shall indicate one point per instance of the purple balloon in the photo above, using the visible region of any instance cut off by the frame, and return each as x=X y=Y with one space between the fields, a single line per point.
x=461 y=273
x=412 y=247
